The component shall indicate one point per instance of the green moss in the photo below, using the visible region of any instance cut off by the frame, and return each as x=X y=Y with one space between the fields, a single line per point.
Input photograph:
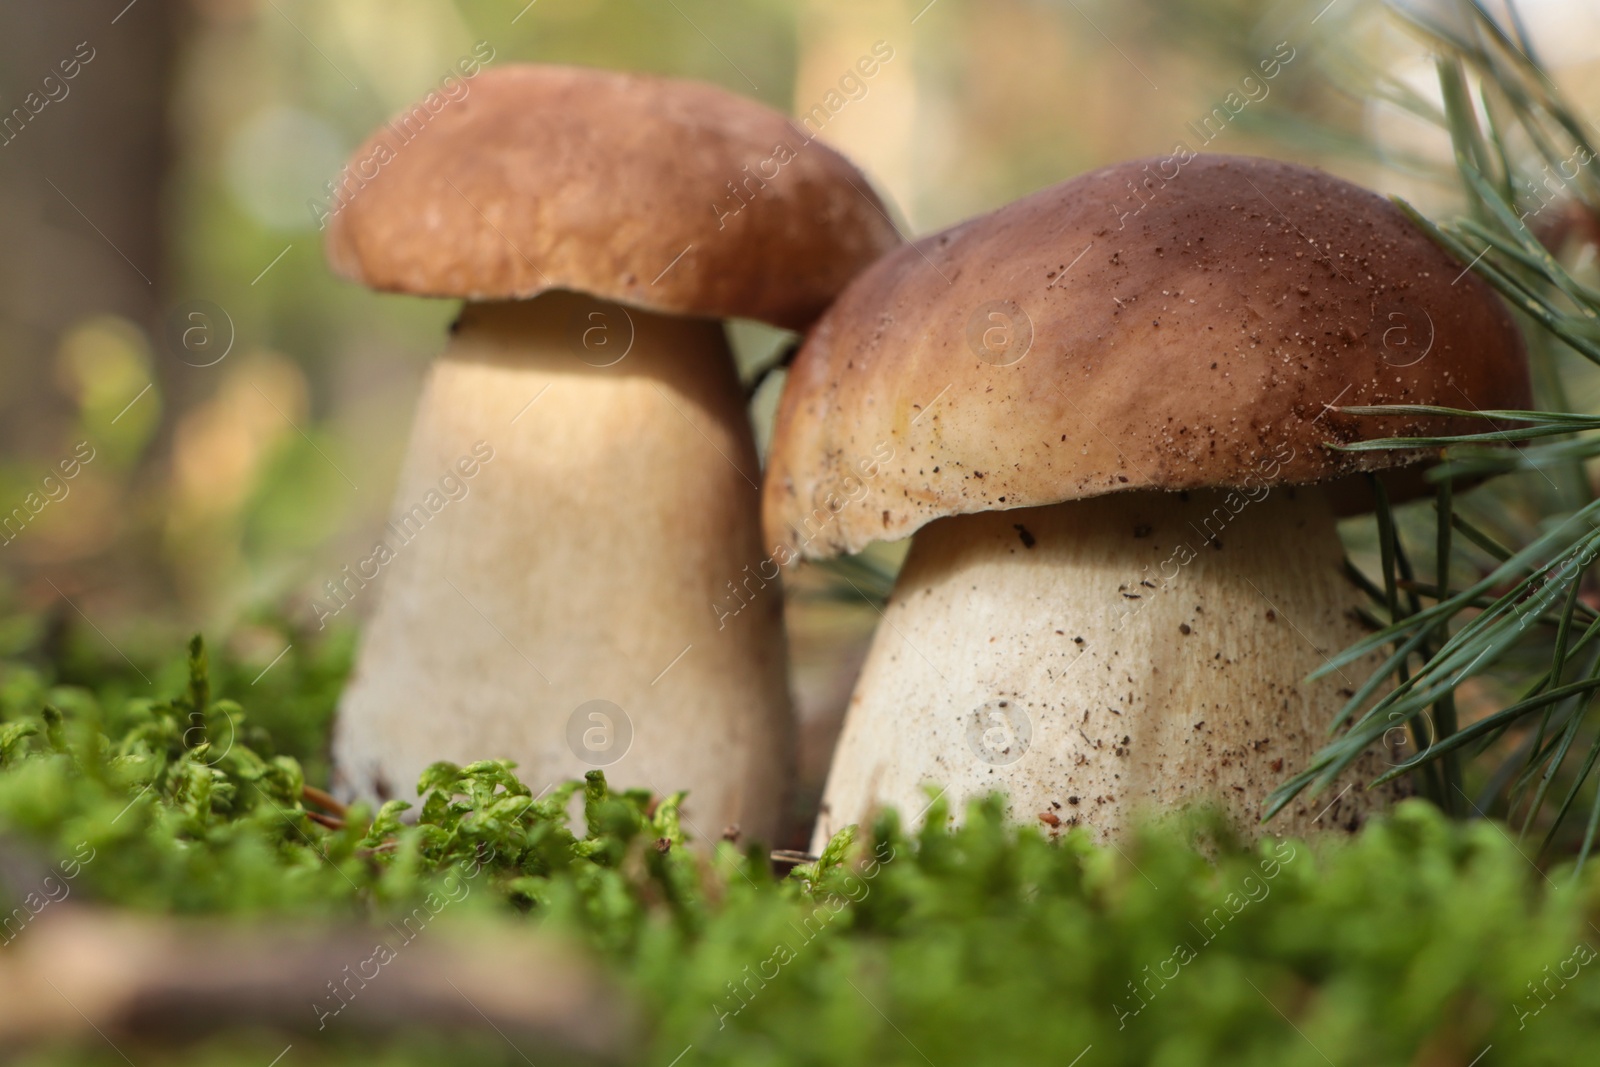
x=1415 y=942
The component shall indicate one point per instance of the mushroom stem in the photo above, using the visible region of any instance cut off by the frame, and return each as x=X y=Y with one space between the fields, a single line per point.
x=1106 y=657
x=567 y=533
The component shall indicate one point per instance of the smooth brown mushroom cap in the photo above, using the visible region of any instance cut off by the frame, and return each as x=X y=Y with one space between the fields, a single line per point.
x=616 y=185
x=1184 y=334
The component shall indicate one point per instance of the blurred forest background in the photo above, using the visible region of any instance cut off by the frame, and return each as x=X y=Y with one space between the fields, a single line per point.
x=165 y=307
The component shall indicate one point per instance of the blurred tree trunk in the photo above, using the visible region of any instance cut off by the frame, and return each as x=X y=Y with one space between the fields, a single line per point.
x=84 y=149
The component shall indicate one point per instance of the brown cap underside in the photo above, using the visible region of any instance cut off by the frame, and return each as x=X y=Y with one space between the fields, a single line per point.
x=669 y=195
x=1146 y=326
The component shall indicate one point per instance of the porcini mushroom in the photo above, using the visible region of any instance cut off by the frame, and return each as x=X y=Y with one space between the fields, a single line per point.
x=566 y=615
x=1103 y=412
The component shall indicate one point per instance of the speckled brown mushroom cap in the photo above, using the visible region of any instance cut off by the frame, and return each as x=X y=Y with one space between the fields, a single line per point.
x=1184 y=334
x=617 y=185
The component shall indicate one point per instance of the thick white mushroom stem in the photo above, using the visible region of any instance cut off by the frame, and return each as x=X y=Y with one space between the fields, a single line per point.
x=1110 y=658
x=558 y=584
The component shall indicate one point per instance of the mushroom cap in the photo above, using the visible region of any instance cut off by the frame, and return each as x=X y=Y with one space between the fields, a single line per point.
x=669 y=195
x=1152 y=325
